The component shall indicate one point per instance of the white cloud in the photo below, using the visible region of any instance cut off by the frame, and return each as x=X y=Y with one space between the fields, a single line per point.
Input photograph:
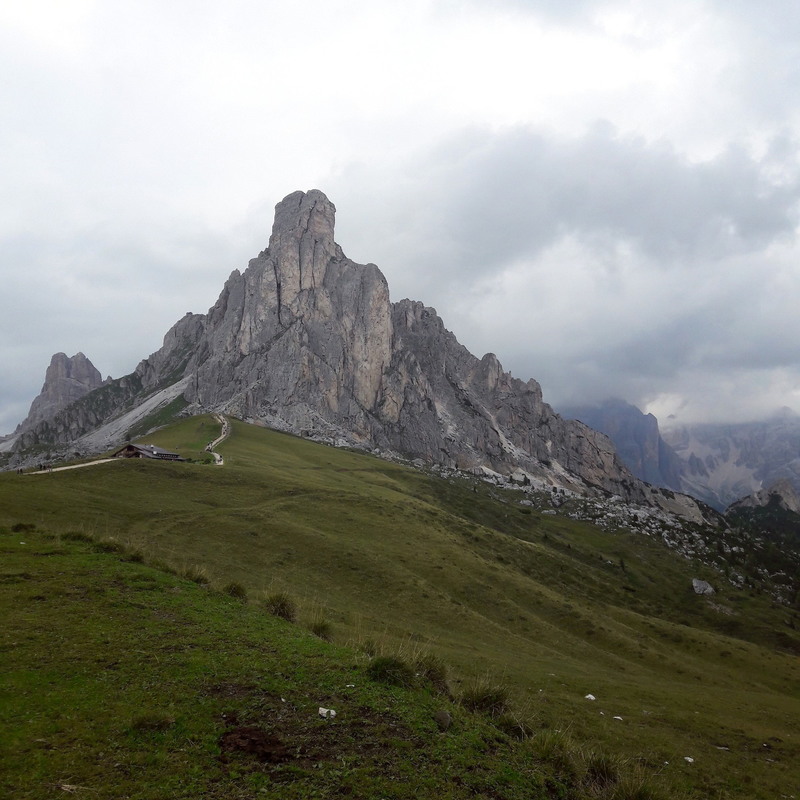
x=603 y=193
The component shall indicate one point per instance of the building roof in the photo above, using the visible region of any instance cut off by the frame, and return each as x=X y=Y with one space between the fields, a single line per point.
x=156 y=451
x=150 y=451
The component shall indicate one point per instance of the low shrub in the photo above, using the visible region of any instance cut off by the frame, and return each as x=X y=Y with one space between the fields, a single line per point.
x=392 y=671
x=279 y=604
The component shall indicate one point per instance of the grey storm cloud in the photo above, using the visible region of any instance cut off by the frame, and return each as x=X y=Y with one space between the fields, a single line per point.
x=665 y=275
x=501 y=197
x=528 y=190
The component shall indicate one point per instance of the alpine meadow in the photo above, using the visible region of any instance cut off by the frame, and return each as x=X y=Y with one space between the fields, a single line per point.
x=144 y=658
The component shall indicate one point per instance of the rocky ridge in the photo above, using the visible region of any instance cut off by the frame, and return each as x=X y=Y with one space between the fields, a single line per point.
x=742 y=551
x=781 y=495
x=66 y=380
x=637 y=439
x=309 y=341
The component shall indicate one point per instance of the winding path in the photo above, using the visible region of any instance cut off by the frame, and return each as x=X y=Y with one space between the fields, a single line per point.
x=226 y=430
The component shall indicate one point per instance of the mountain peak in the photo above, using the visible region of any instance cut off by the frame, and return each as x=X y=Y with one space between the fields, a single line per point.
x=301 y=245
x=307 y=340
x=66 y=380
x=304 y=214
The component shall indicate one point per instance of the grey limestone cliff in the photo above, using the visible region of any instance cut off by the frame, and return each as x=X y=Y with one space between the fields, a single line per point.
x=66 y=380
x=307 y=340
x=636 y=437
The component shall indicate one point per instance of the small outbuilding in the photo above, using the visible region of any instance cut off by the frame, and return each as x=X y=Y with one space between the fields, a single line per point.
x=147 y=451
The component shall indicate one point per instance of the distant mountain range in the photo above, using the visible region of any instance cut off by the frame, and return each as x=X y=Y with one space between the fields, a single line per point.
x=716 y=463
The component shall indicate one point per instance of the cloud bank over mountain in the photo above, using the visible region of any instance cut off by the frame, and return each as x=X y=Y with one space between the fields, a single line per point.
x=602 y=193
x=604 y=265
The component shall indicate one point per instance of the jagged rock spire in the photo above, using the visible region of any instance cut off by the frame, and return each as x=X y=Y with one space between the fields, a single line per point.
x=307 y=340
x=66 y=380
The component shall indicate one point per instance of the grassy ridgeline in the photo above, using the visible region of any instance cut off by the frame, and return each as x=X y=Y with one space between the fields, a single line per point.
x=391 y=558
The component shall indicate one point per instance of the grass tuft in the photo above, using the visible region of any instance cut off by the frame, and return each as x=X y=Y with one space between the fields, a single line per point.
x=77 y=536
x=555 y=747
x=486 y=697
x=196 y=573
x=392 y=671
x=236 y=590
x=514 y=726
x=279 y=604
x=369 y=647
x=602 y=770
x=632 y=786
x=322 y=628
x=435 y=671
x=108 y=546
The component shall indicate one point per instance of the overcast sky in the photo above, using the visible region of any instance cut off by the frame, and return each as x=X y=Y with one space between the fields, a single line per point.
x=604 y=194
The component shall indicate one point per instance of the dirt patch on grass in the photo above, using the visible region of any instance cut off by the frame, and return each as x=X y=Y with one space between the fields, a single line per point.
x=272 y=731
x=256 y=742
x=237 y=690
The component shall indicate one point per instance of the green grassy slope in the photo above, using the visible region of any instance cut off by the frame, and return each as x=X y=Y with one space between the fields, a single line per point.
x=392 y=557
x=123 y=681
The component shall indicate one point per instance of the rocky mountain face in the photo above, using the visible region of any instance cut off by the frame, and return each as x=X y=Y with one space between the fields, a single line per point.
x=727 y=462
x=770 y=520
x=309 y=341
x=66 y=380
x=717 y=464
x=637 y=439
x=781 y=495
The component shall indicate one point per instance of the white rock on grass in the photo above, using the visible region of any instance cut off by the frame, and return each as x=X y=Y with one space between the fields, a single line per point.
x=702 y=587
